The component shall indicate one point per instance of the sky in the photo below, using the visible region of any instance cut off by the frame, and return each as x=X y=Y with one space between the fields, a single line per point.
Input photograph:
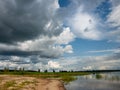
x=60 y=34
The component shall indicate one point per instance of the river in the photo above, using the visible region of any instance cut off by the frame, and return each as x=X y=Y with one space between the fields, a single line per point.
x=102 y=81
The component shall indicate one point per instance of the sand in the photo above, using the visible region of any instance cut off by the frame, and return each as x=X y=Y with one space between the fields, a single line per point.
x=50 y=85
x=10 y=82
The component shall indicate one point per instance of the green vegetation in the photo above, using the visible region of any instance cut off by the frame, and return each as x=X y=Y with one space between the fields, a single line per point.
x=12 y=85
x=44 y=73
x=9 y=84
x=68 y=79
x=98 y=76
x=24 y=83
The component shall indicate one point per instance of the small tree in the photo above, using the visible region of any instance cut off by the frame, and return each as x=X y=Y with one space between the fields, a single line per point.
x=53 y=71
x=5 y=69
x=23 y=69
x=20 y=69
x=15 y=69
x=38 y=70
x=46 y=71
x=71 y=70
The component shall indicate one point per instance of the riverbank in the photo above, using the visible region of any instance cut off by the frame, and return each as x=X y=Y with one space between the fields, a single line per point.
x=17 y=82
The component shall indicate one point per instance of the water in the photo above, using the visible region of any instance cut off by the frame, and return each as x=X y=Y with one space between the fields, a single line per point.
x=104 y=81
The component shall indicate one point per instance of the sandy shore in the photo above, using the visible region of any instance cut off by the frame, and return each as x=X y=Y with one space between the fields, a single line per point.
x=50 y=85
x=8 y=82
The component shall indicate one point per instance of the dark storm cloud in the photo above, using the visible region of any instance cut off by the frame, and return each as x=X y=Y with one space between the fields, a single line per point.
x=21 y=53
x=22 y=20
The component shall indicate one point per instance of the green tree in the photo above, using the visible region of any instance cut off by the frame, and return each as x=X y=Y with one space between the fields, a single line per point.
x=38 y=70
x=53 y=71
x=46 y=71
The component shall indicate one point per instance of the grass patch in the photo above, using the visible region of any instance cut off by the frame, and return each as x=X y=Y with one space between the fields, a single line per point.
x=43 y=73
x=25 y=83
x=68 y=79
x=7 y=85
x=98 y=76
x=10 y=84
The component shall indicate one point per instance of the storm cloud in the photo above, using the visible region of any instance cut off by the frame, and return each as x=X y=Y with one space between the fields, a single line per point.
x=25 y=20
x=32 y=27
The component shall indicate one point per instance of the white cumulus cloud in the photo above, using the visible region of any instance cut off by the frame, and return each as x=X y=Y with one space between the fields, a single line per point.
x=65 y=37
x=84 y=25
x=53 y=64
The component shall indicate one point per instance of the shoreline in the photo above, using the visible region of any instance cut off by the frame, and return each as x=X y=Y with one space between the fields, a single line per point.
x=50 y=84
x=10 y=82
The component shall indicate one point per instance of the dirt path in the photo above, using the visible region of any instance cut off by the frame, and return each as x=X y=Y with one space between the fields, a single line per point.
x=8 y=82
x=50 y=85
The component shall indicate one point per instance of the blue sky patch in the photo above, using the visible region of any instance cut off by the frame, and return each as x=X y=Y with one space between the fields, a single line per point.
x=104 y=9
x=64 y=3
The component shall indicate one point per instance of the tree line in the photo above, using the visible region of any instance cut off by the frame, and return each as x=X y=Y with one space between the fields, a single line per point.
x=6 y=69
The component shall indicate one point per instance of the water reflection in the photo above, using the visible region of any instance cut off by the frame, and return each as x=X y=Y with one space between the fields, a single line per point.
x=68 y=79
x=101 y=81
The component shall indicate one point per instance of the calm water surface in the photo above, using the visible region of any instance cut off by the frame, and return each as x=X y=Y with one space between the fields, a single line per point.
x=104 y=81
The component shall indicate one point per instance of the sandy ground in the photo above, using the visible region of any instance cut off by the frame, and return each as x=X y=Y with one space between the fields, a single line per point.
x=8 y=82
